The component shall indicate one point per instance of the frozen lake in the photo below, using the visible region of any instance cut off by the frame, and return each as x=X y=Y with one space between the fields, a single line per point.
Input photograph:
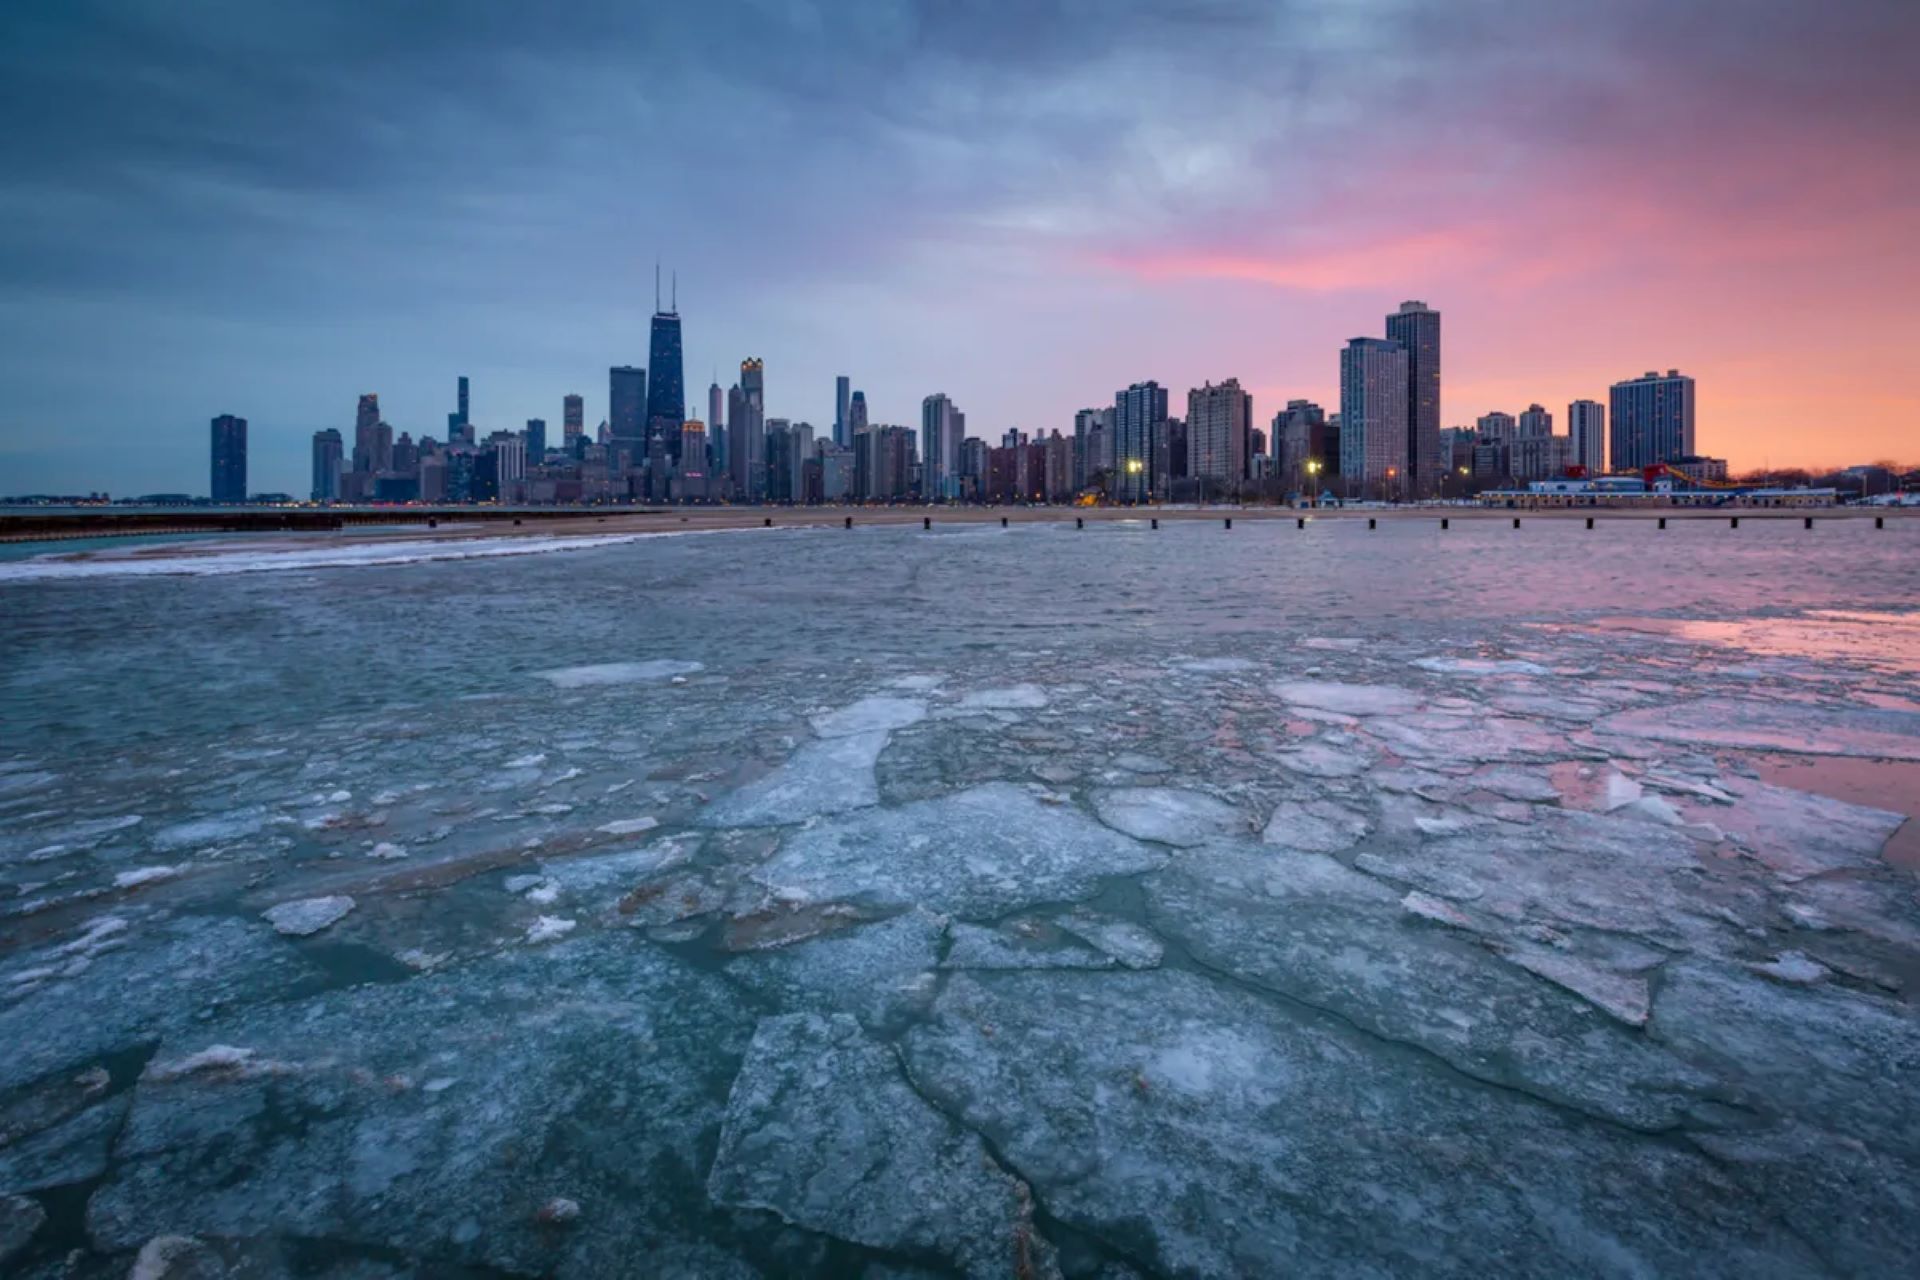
x=1039 y=902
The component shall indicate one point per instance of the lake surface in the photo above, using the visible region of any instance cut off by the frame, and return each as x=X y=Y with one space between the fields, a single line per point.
x=984 y=902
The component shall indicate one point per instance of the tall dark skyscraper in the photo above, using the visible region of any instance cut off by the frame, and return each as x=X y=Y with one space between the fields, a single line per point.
x=536 y=441
x=842 y=392
x=366 y=427
x=464 y=418
x=1416 y=326
x=666 y=387
x=328 y=454
x=856 y=414
x=1652 y=420
x=229 y=459
x=627 y=410
x=572 y=420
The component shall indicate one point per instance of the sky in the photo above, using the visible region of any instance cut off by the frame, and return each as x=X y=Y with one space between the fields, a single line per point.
x=223 y=206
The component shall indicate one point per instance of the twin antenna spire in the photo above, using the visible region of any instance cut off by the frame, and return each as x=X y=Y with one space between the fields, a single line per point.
x=674 y=307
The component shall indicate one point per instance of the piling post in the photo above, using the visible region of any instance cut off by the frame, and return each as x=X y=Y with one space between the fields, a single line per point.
x=1003 y=522
x=1229 y=522
x=1370 y=522
x=1733 y=522
x=1156 y=522
x=849 y=522
x=1589 y=522
x=1080 y=522
x=1663 y=522
x=767 y=523
x=1809 y=523
x=1516 y=522
x=1444 y=523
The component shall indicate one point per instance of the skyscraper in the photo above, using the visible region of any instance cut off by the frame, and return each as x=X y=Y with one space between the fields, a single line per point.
x=627 y=411
x=941 y=426
x=1305 y=450
x=856 y=414
x=842 y=432
x=666 y=388
x=716 y=410
x=328 y=452
x=1373 y=417
x=536 y=441
x=464 y=418
x=1139 y=424
x=366 y=424
x=1416 y=326
x=572 y=421
x=459 y=425
x=1218 y=422
x=1652 y=419
x=1587 y=423
x=746 y=432
x=229 y=459
x=1534 y=421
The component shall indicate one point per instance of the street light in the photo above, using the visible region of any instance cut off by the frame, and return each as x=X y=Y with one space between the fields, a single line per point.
x=1313 y=481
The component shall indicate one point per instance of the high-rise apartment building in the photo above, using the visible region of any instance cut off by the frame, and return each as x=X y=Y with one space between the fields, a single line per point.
x=1218 y=425
x=329 y=452
x=1416 y=326
x=842 y=395
x=941 y=427
x=1306 y=454
x=1587 y=424
x=1139 y=425
x=1534 y=421
x=1496 y=427
x=536 y=441
x=1652 y=419
x=746 y=432
x=228 y=462
x=1373 y=418
x=573 y=419
x=627 y=412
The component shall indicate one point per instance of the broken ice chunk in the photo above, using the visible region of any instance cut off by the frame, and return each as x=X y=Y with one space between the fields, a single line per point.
x=549 y=928
x=1019 y=697
x=986 y=850
x=144 y=875
x=307 y=916
x=1775 y=725
x=823 y=1130
x=606 y=673
x=1348 y=699
x=1167 y=815
x=869 y=715
x=1794 y=967
x=1622 y=996
x=830 y=776
x=1316 y=826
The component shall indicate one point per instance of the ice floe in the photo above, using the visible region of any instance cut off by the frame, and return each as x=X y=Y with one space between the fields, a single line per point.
x=308 y=916
x=982 y=851
x=613 y=673
x=833 y=775
x=1167 y=815
x=822 y=1129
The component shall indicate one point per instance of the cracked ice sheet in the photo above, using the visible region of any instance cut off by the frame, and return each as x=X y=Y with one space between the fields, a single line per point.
x=437 y=1115
x=1167 y=815
x=1309 y=928
x=1824 y=1055
x=983 y=851
x=1205 y=1132
x=823 y=1130
x=877 y=971
x=167 y=976
x=870 y=714
x=1347 y=699
x=829 y=776
x=1801 y=833
x=1774 y=726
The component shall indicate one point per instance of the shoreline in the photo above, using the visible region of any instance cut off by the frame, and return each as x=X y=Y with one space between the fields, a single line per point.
x=372 y=527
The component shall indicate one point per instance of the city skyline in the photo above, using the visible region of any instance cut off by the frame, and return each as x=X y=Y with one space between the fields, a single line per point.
x=193 y=209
